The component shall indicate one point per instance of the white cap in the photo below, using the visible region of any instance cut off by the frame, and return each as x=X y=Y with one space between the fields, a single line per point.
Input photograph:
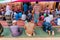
x=14 y=21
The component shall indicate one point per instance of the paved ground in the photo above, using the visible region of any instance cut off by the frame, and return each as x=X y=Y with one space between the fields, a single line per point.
x=4 y=23
x=30 y=38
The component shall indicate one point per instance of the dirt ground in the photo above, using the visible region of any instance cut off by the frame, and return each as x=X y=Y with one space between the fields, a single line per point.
x=30 y=38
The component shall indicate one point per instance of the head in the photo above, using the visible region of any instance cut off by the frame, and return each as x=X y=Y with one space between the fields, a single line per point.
x=59 y=15
x=50 y=12
x=32 y=20
x=14 y=22
x=36 y=2
x=28 y=11
x=42 y=13
x=46 y=15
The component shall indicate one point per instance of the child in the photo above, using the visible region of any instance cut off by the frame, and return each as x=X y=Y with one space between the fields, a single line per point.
x=29 y=28
x=47 y=27
x=29 y=17
x=41 y=18
x=23 y=17
x=15 y=29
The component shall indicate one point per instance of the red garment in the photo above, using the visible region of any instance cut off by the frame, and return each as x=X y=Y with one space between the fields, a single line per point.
x=41 y=18
x=40 y=23
x=20 y=23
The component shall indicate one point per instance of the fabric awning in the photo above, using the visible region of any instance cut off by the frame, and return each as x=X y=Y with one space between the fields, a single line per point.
x=5 y=1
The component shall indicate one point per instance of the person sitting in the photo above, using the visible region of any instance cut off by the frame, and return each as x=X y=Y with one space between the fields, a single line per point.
x=15 y=29
x=23 y=17
x=29 y=28
x=29 y=17
x=41 y=18
x=47 y=27
x=51 y=16
x=57 y=20
x=1 y=30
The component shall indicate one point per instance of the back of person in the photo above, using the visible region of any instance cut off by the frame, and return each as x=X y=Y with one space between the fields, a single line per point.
x=23 y=17
x=25 y=6
x=29 y=27
x=51 y=16
x=47 y=19
x=17 y=16
x=20 y=14
x=14 y=30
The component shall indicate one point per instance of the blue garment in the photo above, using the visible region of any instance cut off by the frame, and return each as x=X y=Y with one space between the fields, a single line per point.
x=25 y=6
x=56 y=20
x=30 y=8
x=47 y=26
x=29 y=17
x=36 y=16
x=20 y=14
x=57 y=12
x=17 y=17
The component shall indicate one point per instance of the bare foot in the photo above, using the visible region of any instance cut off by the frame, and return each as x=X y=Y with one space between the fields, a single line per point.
x=52 y=33
x=49 y=32
x=1 y=35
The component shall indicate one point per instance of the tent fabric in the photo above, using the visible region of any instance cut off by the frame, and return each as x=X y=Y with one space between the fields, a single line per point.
x=5 y=1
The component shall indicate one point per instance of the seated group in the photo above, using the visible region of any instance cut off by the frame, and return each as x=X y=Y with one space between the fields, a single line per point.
x=29 y=26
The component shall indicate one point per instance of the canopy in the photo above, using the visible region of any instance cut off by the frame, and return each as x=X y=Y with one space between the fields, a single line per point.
x=5 y=1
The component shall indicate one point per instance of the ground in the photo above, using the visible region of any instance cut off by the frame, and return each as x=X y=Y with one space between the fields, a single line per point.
x=40 y=34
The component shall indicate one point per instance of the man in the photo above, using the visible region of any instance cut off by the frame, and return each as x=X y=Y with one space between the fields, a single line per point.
x=29 y=28
x=47 y=27
x=36 y=9
x=15 y=29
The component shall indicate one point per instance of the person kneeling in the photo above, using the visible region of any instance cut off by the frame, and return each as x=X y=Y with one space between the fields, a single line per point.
x=47 y=27
x=29 y=27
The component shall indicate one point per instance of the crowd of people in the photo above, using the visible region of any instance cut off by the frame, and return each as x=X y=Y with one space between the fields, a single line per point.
x=30 y=17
